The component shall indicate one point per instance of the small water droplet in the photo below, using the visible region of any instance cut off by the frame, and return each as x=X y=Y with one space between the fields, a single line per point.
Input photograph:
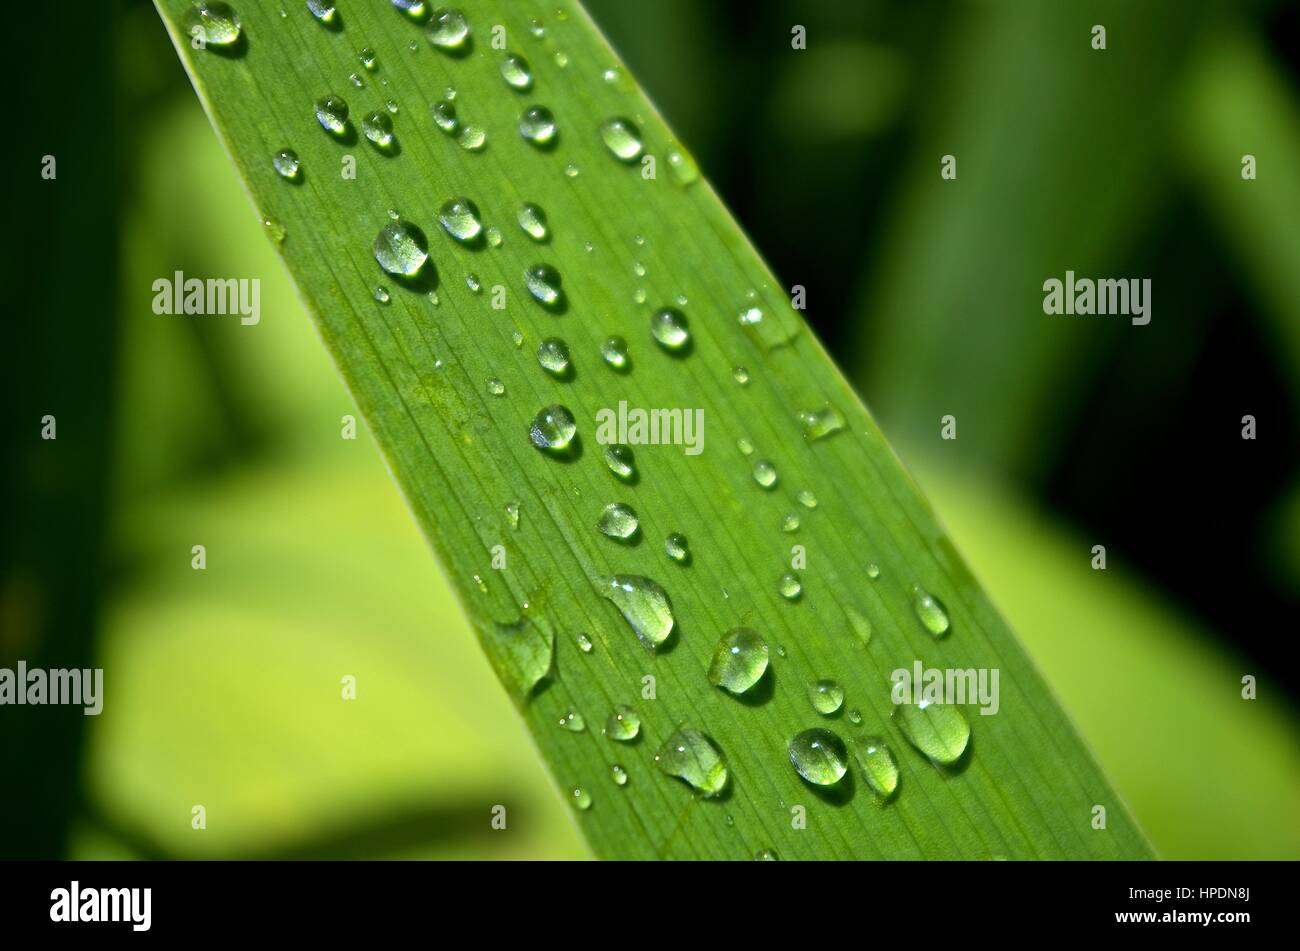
x=286 y=163
x=323 y=11
x=381 y=294
x=740 y=375
x=581 y=799
x=543 y=282
x=819 y=757
x=668 y=327
x=677 y=547
x=516 y=72
x=931 y=613
x=332 y=114
x=571 y=171
x=622 y=138
x=493 y=237
x=496 y=387
x=512 y=514
x=790 y=523
x=473 y=283
x=937 y=730
x=878 y=766
x=766 y=855
x=873 y=570
x=583 y=642
x=573 y=721
x=274 y=230
x=521 y=652
x=444 y=116
x=448 y=30
x=611 y=75
x=855 y=717
x=861 y=626
x=682 y=165
x=472 y=138
x=618 y=521
x=561 y=59
x=536 y=28
x=789 y=586
x=745 y=446
x=218 y=23
x=644 y=605
x=827 y=696
x=459 y=218
x=614 y=352
x=807 y=499
x=553 y=355
x=533 y=221
x=818 y=424
x=378 y=128
x=518 y=338
x=751 y=316
x=623 y=724
x=739 y=660
x=619 y=774
x=619 y=460
x=356 y=80
x=691 y=756
x=537 y=125
x=765 y=474
x=414 y=9
x=400 y=249
x=553 y=429
x=369 y=61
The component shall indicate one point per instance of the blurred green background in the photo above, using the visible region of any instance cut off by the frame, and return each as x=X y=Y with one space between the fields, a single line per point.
x=224 y=685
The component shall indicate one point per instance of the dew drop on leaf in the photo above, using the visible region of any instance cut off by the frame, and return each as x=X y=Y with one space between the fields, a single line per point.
x=618 y=521
x=878 y=766
x=789 y=586
x=448 y=30
x=553 y=355
x=400 y=249
x=516 y=72
x=378 y=128
x=668 y=327
x=323 y=11
x=218 y=23
x=938 y=731
x=533 y=221
x=691 y=756
x=622 y=138
x=677 y=548
x=543 y=282
x=827 y=696
x=931 y=612
x=553 y=429
x=620 y=461
x=332 y=114
x=644 y=605
x=537 y=125
x=623 y=725
x=459 y=218
x=764 y=473
x=572 y=721
x=286 y=163
x=614 y=352
x=739 y=660
x=818 y=756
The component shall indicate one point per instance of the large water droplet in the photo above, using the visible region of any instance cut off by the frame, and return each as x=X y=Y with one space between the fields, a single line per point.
x=553 y=429
x=378 y=128
x=553 y=355
x=400 y=249
x=931 y=612
x=739 y=660
x=620 y=461
x=877 y=764
x=623 y=724
x=827 y=696
x=819 y=757
x=217 y=23
x=537 y=125
x=939 y=731
x=543 y=282
x=644 y=605
x=618 y=521
x=622 y=138
x=459 y=218
x=820 y=423
x=448 y=30
x=516 y=72
x=332 y=114
x=691 y=756
x=286 y=163
x=521 y=653
x=668 y=326
x=533 y=221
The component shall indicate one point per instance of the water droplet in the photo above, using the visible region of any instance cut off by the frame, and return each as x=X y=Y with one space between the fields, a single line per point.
x=878 y=766
x=444 y=116
x=332 y=114
x=873 y=571
x=765 y=855
x=765 y=474
x=581 y=799
x=611 y=75
x=930 y=611
x=807 y=499
x=619 y=460
x=415 y=9
x=521 y=653
x=740 y=375
x=827 y=696
x=323 y=11
x=448 y=30
x=356 y=80
x=518 y=338
x=819 y=757
x=378 y=128
x=286 y=163
x=618 y=521
x=668 y=327
x=583 y=642
x=535 y=27
x=739 y=660
x=459 y=218
x=218 y=22
x=644 y=605
x=691 y=756
x=553 y=355
x=512 y=514
x=745 y=446
x=677 y=548
x=623 y=724
x=571 y=171
x=861 y=626
x=472 y=138
x=818 y=424
x=493 y=237
x=381 y=294
x=789 y=586
x=533 y=220
x=638 y=269
x=790 y=523
x=496 y=387
x=274 y=230
x=573 y=721
x=939 y=731
x=400 y=249
x=537 y=125
x=369 y=61
x=516 y=73
x=619 y=774
x=614 y=352
x=751 y=316
x=543 y=282
x=561 y=59
x=473 y=283
x=682 y=165
x=855 y=717
x=622 y=138
x=553 y=429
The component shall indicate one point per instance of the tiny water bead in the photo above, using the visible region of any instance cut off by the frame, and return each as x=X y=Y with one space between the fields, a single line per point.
x=537 y=125
x=580 y=798
x=493 y=237
x=619 y=775
x=764 y=473
x=820 y=423
x=533 y=221
x=553 y=429
x=740 y=375
x=622 y=138
x=391 y=106
x=543 y=282
x=274 y=230
x=739 y=660
x=448 y=30
x=746 y=447
x=790 y=523
x=400 y=249
x=286 y=163
x=930 y=612
x=415 y=9
x=807 y=499
x=855 y=717
x=332 y=114
x=618 y=521
x=790 y=586
x=691 y=756
x=378 y=128
x=516 y=72
x=620 y=461
x=644 y=605
x=472 y=138
x=677 y=547
x=572 y=721
x=473 y=283
x=766 y=855
x=216 y=23
x=938 y=731
x=623 y=725
x=553 y=355
x=323 y=11
x=682 y=166
x=668 y=327
x=878 y=766
x=584 y=642
x=512 y=514
x=459 y=218
x=860 y=625
x=827 y=696
x=368 y=59
x=873 y=571
x=614 y=352
x=496 y=387
x=819 y=757
x=381 y=294
x=444 y=116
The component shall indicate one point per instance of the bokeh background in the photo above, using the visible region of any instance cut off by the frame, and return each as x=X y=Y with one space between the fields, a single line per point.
x=224 y=684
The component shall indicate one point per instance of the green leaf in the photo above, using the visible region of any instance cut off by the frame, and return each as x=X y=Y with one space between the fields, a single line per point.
x=419 y=367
